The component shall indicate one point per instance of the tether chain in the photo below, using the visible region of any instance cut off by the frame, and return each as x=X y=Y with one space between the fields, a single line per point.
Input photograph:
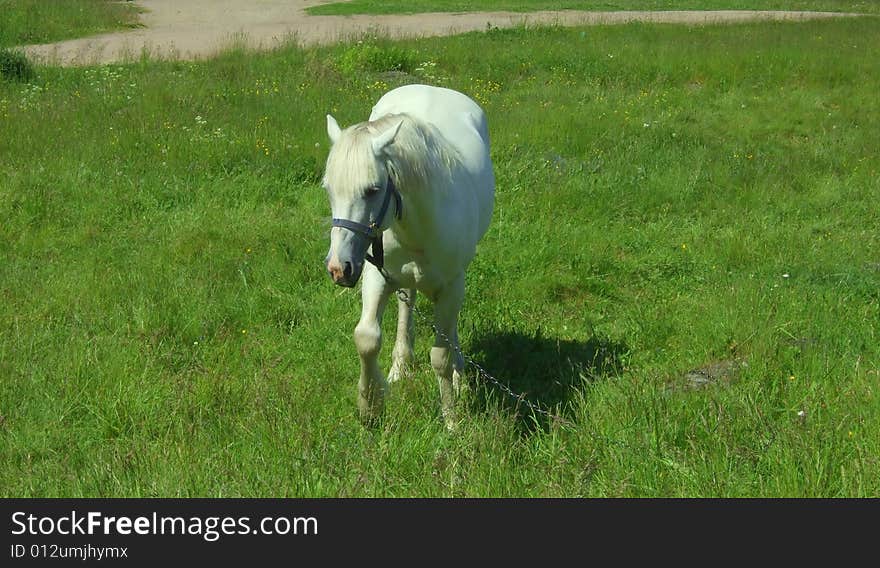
x=520 y=398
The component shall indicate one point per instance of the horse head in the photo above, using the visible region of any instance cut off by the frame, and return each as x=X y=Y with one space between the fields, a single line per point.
x=360 y=190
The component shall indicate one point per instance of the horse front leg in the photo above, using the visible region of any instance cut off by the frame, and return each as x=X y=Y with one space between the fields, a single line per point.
x=445 y=355
x=402 y=356
x=368 y=340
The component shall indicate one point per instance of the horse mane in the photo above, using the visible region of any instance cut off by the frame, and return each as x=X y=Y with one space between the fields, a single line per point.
x=418 y=158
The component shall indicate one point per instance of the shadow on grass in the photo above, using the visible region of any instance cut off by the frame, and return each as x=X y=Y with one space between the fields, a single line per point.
x=545 y=371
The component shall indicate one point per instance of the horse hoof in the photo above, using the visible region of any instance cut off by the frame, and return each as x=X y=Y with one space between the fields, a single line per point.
x=399 y=371
x=370 y=421
x=371 y=408
x=461 y=385
x=450 y=419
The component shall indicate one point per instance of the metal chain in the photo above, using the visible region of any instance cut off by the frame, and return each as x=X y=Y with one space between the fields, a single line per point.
x=403 y=296
x=520 y=398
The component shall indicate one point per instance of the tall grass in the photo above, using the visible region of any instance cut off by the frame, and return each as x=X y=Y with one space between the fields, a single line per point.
x=668 y=197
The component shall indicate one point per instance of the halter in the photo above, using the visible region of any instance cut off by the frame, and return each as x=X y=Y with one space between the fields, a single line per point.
x=373 y=231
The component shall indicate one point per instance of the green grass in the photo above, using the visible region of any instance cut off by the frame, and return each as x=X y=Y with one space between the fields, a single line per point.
x=413 y=7
x=42 y=21
x=167 y=328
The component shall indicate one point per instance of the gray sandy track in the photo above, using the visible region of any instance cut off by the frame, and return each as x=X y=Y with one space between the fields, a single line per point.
x=200 y=28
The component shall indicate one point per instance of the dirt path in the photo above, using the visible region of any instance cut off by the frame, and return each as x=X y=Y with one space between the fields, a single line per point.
x=199 y=28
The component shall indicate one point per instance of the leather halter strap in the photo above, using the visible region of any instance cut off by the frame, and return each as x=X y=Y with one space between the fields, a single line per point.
x=373 y=231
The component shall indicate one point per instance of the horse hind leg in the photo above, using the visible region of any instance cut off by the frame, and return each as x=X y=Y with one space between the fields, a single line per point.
x=445 y=357
x=402 y=356
x=368 y=340
x=459 y=378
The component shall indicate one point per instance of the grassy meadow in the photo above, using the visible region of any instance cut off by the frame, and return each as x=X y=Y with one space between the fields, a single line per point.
x=669 y=200
x=42 y=21
x=421 y=6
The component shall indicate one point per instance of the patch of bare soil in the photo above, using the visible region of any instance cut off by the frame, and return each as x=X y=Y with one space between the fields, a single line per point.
x=200 y=28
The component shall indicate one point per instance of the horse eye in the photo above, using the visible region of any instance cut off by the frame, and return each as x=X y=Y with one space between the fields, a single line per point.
x=371 y=191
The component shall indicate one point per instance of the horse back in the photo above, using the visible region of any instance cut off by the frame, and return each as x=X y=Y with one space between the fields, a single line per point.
x=462 y=123
x=457 y=117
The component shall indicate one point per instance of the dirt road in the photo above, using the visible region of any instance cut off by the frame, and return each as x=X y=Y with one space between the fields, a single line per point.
x=199 y=28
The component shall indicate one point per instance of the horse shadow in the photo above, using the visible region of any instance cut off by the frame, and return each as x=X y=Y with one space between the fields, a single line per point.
x=533 y=371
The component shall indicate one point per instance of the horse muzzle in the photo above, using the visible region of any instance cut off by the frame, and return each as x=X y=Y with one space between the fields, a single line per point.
x=345 y=274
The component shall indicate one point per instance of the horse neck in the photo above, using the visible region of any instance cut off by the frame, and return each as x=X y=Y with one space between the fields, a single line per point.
x=419 y=187
x=416 y=225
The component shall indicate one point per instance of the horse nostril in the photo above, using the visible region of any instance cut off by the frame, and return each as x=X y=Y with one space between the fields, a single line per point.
x=347 y=270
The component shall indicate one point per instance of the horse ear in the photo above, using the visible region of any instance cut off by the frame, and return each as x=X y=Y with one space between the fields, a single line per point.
x=333 y=130
x=386 y=138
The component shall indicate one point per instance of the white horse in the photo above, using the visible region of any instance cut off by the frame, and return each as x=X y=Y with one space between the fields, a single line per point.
x=415 y=185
